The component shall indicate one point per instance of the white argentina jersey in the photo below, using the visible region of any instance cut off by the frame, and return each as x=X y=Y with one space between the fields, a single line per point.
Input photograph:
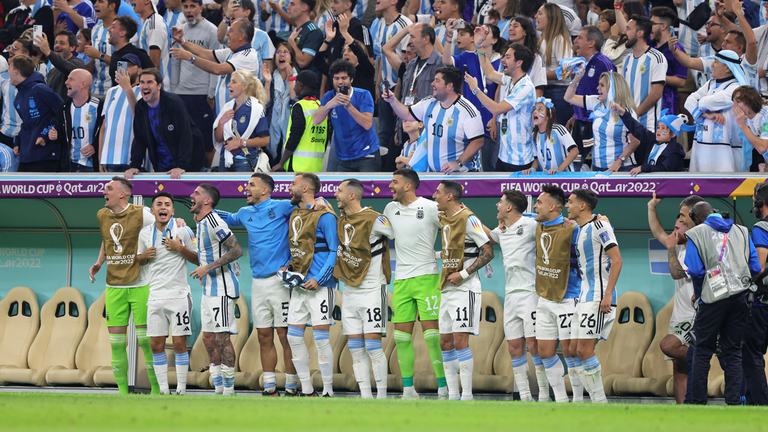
x=518 y=251
x=154 y=33
x=687 y=35
x=83 y=125
x=516 y=145
x=611 y=137
x=553 y=149
x=715 y=147
x=641 y=73
x=245 y=58
x=415 y=227
x=275 y=21
x=100 y=40
x=174 y=19
x=212 y=232
x=118 y=127
x=383 y=34
x=11 y=123
x=699 y=77
x=449 y=130
x=595 y=239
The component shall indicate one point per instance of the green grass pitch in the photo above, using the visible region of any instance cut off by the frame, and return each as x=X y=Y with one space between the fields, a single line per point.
x=138 y=413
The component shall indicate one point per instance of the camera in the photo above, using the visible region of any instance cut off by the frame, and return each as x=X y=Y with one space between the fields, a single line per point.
x=344 y=89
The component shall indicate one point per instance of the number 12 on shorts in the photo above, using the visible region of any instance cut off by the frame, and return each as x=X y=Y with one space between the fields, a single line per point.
x=433 y=305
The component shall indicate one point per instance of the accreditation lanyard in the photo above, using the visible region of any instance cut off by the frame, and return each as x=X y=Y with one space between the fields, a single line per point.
x=167 y=230
x=722 y=251
x=416 y=77
x=482 y=74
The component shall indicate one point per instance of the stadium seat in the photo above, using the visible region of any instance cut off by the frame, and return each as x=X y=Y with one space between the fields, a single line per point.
x=63 y=322
x=93 y=354
x=19 y=323
x=622 y=354
x=338 y=342
x=485 y=346
x=657 y=371
x=238 y=340
x=716 y=385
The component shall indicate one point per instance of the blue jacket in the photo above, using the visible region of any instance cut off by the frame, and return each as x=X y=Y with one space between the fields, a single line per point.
x=671 y=159
x=323 y=263
x=36 y=105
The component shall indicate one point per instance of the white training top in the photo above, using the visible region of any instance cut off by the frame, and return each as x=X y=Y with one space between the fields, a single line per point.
x=683 y=291
x=518 y=251
x=415 y=230
x=168 y=269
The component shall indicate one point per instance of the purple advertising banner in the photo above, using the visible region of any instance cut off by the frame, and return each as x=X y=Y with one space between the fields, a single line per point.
x=377 y=185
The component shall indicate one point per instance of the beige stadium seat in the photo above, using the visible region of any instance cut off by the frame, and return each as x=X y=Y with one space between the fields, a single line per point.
x=622 y=354
x=657 y=371
x=19 y=323
x=198 y=365
x=94 y=353
x=238 y=340
x=63 y=321
x=486 y=345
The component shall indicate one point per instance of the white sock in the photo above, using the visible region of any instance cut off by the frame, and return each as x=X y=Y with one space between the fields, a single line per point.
x=325 y=359
x=520 y=371
x=300 y=358
x=228 y=374
x=584 y=382
x=555 y=376
x=182 y=368
x=218 y=381
x=541 y=378
x=270 y=381
x=466 y=369
x=160 y=362
x=361 y=366
x=593 y=376
x=291 y=383
x=451 y=367
x=573 y=375
x=379 y=366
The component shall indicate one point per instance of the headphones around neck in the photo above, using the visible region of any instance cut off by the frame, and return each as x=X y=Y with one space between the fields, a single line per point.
x=759 y=201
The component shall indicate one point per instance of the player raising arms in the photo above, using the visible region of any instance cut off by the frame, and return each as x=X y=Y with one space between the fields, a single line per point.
x=364 y=266
x=600 y=265
x=217 y=250
x=165 y=249
x=466 y=249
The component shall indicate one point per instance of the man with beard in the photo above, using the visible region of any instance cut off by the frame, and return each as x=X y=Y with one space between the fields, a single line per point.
x=116 y=135
x=121 y=32
x=755 y=340
x=664 y=19
x=62 y=58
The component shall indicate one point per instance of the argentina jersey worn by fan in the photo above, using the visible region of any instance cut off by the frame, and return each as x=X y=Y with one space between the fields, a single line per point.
x=212 y=232
x=441 y=32
x=243 y=58
x=101 y=79
x=503 y=25
x=553 y=149
x=275 y=21
x=174 y=19
x=641 y=73
x=515 y=134
x=715 y=147
x=595 y=239
x=360 y=8
x=699 y=77
x=11 y=122
x=83 y=125
x=154 y=34
x=750 y=70
x=384 y=33
x=449 y=130
x=687 y=35
x=611 y=137
x=117 y=127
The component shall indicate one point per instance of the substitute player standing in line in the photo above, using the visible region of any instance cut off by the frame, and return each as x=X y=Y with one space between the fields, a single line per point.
x=600 y=265
x=364 y=266
x=217 y=250
x=465 y=251
x=516 y=236
x=127 y=282
x=313 y=242
x=165 y=249
x=417 y=278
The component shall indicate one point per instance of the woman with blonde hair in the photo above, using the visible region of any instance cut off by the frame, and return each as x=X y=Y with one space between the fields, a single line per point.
x=614 y=146
x=241 y=124
x=554 y=45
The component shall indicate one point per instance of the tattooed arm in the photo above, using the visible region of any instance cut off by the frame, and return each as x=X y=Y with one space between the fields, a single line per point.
x=486 y=255
x=234 y=252
x=675 y=268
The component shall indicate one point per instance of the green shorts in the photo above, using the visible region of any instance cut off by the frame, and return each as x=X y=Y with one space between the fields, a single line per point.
x=121 y=301
x=422 y=293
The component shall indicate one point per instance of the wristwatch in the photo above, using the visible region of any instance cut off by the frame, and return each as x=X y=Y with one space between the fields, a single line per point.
x=192 y=59
x=476 y=90
x=459 y=162
x=623 y=158
x=101 y=57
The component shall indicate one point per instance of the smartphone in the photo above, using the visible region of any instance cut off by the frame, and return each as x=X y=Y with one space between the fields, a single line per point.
x=38 y=31
x=122 y=66
x=237 y=3
x=460 y=24
x=466 y=69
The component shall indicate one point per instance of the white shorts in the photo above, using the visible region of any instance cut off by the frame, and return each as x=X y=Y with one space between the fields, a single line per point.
x=590 y=323
x=364 y=311
x=174 y=313
x=269 y=302
x=459 y=312
x=520 y=314
x=311 y=307
x=217 y=314
x=553 y=319
x=682 y=331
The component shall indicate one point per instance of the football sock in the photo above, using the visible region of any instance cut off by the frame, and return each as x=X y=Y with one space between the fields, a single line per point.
x=325 y=359
x=432 y=338
x=361 y=367
x=300 y=358
x=573 y=375
x=379 y=366
x=270 y=381
x=520 y=371
x=466 y=369
x=405 y=357
x=593 y=375
x=579 y=369
x=160 y=362
x=146 y=348
x=228 y=374
x=119 y=361
x=555 y=375
x=541 y=378
x=451 y=367
x=291 y=383
x=218 y=381
x=182 y=368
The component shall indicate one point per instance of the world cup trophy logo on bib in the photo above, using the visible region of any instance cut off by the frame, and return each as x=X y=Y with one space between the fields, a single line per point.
x=349 y=232
x=296 y=225
x=546 y=246
x=116 y=231
x=446 y=237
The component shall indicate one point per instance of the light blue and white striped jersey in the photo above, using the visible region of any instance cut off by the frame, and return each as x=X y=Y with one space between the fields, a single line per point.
x=595 y=239
x=174 y=19
x=263 y=46
x=11 y=122
x=553 y=149
x=699 y=77
x=503 y=26
x=275 y=21
x=359 y=11
x=154 y=33
x=117 y=127
x=244 y=58
x=101 y=79
x=324 y=18
x=441 y=32
x=759 y=127
x=687 y=35
x=212 y=232
x=410 y=148
x=449 y=130
x=425 y=7
x=716 y=148
x=374 y=30
x=8 y=161
x=641 y=73
x=592 y=18
x=83 y=125
x=750 y=70
x=516 y=145
x=761 y=34
x=611 y=136
x=384 y=33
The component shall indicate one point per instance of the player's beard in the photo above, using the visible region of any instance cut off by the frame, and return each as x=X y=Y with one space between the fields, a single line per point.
x=295 y=200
